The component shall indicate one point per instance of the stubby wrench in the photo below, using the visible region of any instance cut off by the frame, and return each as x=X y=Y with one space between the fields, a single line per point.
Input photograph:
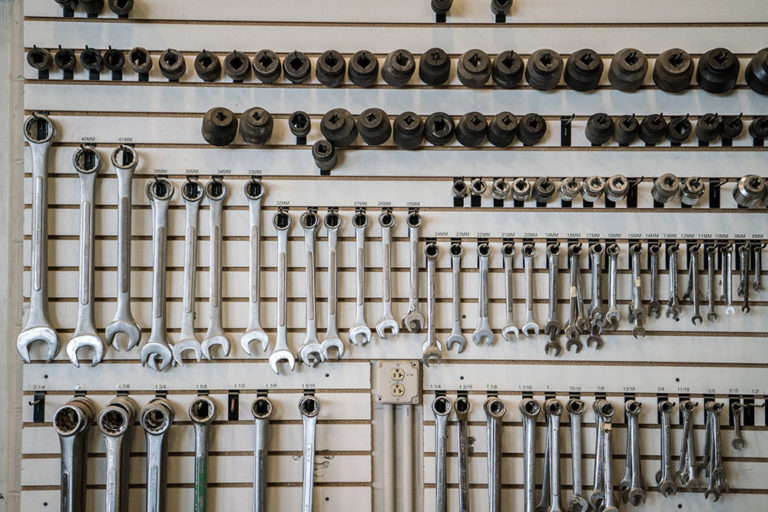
x=413 y=320
x=654 y=306
x=596 y=316
x=665 y=477
x=360 y=333
x=612 y=317
x=530 y=409
x=456 y=337
x=464 y=443
x=727 y=278
x=254 y=192
x=483 y=333
x=635 y=312
x=332 y=347
x=123 y=325
x=39 y=132
x=738 y=440
x=510 y=330
x=216 y=192
x=309 y=407
x=576 y=503
x=673 y=306
x=116 y=423
x=202 y=410
x=262 y=411
x=494 y=414
x=156 y=419
x=72 y=421
x=441 y=407
x=530 y=328
x=310 y=351
x=159 y=193
x=431 y=348
x=87 y=163
x=387 y=325
x=554 y=328
x=192 y=193
x=281 y=353
x=711 y=251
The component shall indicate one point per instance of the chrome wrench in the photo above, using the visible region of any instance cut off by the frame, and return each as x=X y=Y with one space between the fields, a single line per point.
x=673 y=306
x=432 y=349
x=71 y=422
x=554 y=409
x=387 y=325
x=310 y=351
x=413 y=320
x=604 y=412
x=483 y=333
x=693 y=282
x=494 y=414
x=456 y=337
x=360 y=333
x=309 y=407
x=262 y=411
x=202 y=410
x=612 y=317
x=332 y=347
x=216 y=192
x=636 y=313
x=254 y=193
x=281 y=353
x=607 y=453
x=156 y=419
x=441 y=407
x=576 y=503
x=636 y=492
x=596 y=314
x=462 y=406
x=665 y=477
x=743 y=289
x=654 y=306
x=727 y=278
x=510 y=332
x=530 y=409
x=530 y=328
x=554 y=328
x=571 y=330
x=711 y=312
x=116 y=423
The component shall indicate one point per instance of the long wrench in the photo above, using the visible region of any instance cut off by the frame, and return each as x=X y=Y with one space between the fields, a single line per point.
x=456 y=337
x=530 y=328
x=87 y=163
x=124 y=160
x=441 y=407
x=554 y=409
x=686 y=471
x=673 y=306
x=711 y=251
x=510 y=332
x=612 y=317
x=192 y=193
x=254 y=192
x=494 y=414
x=310 y=351
x=332 y=347
x=636 y=313
x=360 y=333
x=576 y=503
x=596 y=314
x=483 y=333
x=727 y=278
x=156 y=419
x=530 y=409
x=387 y=325
x=665 y=477
x=159 y=193
x=202 y=410
x=413 y=320
x=636 y=492
x=654 y=306
x=604 y=412
x=281 y=353
x=39 y=132
x=71 y=422
x=757 y=257
x=216 y=192
x=464 y=442
x=309 y=407
x=572 y=331
x=554 y=327
x=607 y=453
x=744 y=256
x=432 y=349
x=261 y=408
x=116 y=423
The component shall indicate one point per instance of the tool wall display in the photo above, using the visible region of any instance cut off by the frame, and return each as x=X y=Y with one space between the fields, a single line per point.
x=434 y=256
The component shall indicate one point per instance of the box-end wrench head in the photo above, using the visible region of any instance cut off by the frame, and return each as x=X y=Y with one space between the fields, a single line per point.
x=441 y=408
x=156 y=419
x=310 y=352
x=282 y=222
x=483 y=334
x=116 y=423
x=87 y=163
x=332 y=346
x=216 y=192
x=360 y=333
x=413 y=320
x=309 y=407
x=387 y=325
x=71 y=422
x=254 y=193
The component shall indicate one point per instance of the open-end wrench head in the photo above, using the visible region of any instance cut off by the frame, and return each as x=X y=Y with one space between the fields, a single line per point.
x=510 y=332
x=697 y=320
x=595 y=339
x=654 y=309
x=387 y=326
x=251 y=336
x=667 y=488
x=281 y=356
x=413 y=321
x=360 y=335
x=577 y=503
x=183 y=346
x=432 y=355
x=553 y=346
x=212 y=341
x=45 y=334
x=636 y=496
x=332 y=349
x=90 y=341
x=311 y=354
x=483 y=335
x=596 y=499
x=151 y=351
x=711 y=491
x=456 y=339
x=123 y=329
x=573 y=343
x=530 y=329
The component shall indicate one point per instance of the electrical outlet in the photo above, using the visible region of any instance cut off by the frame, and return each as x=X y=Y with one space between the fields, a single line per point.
x=397 y=382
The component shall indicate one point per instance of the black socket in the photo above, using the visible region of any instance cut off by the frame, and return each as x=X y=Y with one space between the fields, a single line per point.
x=91 y=60
x=628 y=69
x=338 y=127
x=114 y=60
x=717 y=70
x=373 y=125
x=756 y=73
x=68 y=4
x=583 y=70
x=237 y=66
x=39 y=58
x=731 y=127
x=330 y=68
x=502 y=129
x=531 y=129
x=207 y=66
x=266 y=66
x=172 y=64
x=398 y=68
x=92 y=6
x=653 y=128
x=434 y=67
x=299 y=123
x=758 y=128
x=140 y=60
x=219 y=126
x=544 y=69
x=363 y=68
x=679 y=129
x=256 y=126
x=626 y=130
x=500 y=7
x=408 y=130
x=439 y=129
x=599 y=128
x=65 y=60
x=507 y=69
x=708 y=127
x=471 y=129
x=296 y=67
x=441 y=6
x=120 y=7
x=324 y=154
x=673 y=70
x=474 y=68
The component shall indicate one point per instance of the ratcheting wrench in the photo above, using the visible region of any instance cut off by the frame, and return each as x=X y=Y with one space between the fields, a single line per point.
x=123 y=325
x=39 y=132
x=413 y=320
x=87 y=163
x=360 y=333
x=254 y=192
x=387 y=325
x=310 y=351
x=483 y=333
x=530 y=328
x=510 y=332
x=216 y=192
x=432 y=349
x=281 y=353
x=156 y=419
x=332 y=347
x=456 y=337
x=116 y=423
x=72 y=421
x=309 y=407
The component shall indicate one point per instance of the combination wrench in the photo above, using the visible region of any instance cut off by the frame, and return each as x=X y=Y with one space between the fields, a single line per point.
x=604 y=412
x=553 y=328
x=310 y=352
x=332 y=347
x=494 y=414
x=159 y=193
x=612 y=316
x=530 y=410
x=202 y=410
x=686 y=472
x=413 y=320
x=72 y=421
x=727 y=278
x=39 y=133
x=665 y=477
x=483 y=333
x=456 y=337
x=743 y=290
x=596 y=316
x=530 y=328
x=192 y=193
x=554 y=409
x=156 y=419
x=607 y=457
x=576 y=503
x=464 y=443
x=431 y=348
x=635 y=313
x=387 y=325
x=309 y=407
x=360 y=333
x=711 y=251
x=254 y=193
x=636 y=492
x=654 y=306
x=757 y=257
x=572 y=331
x=510 y=332
x=116 y=423
x=673 y=306
x=216 y=192
x=261 y=408
x=87 y=163
x=281 y=353
x=124 y=160
x=716 y=471
x=441 y=407
x=693 y=282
